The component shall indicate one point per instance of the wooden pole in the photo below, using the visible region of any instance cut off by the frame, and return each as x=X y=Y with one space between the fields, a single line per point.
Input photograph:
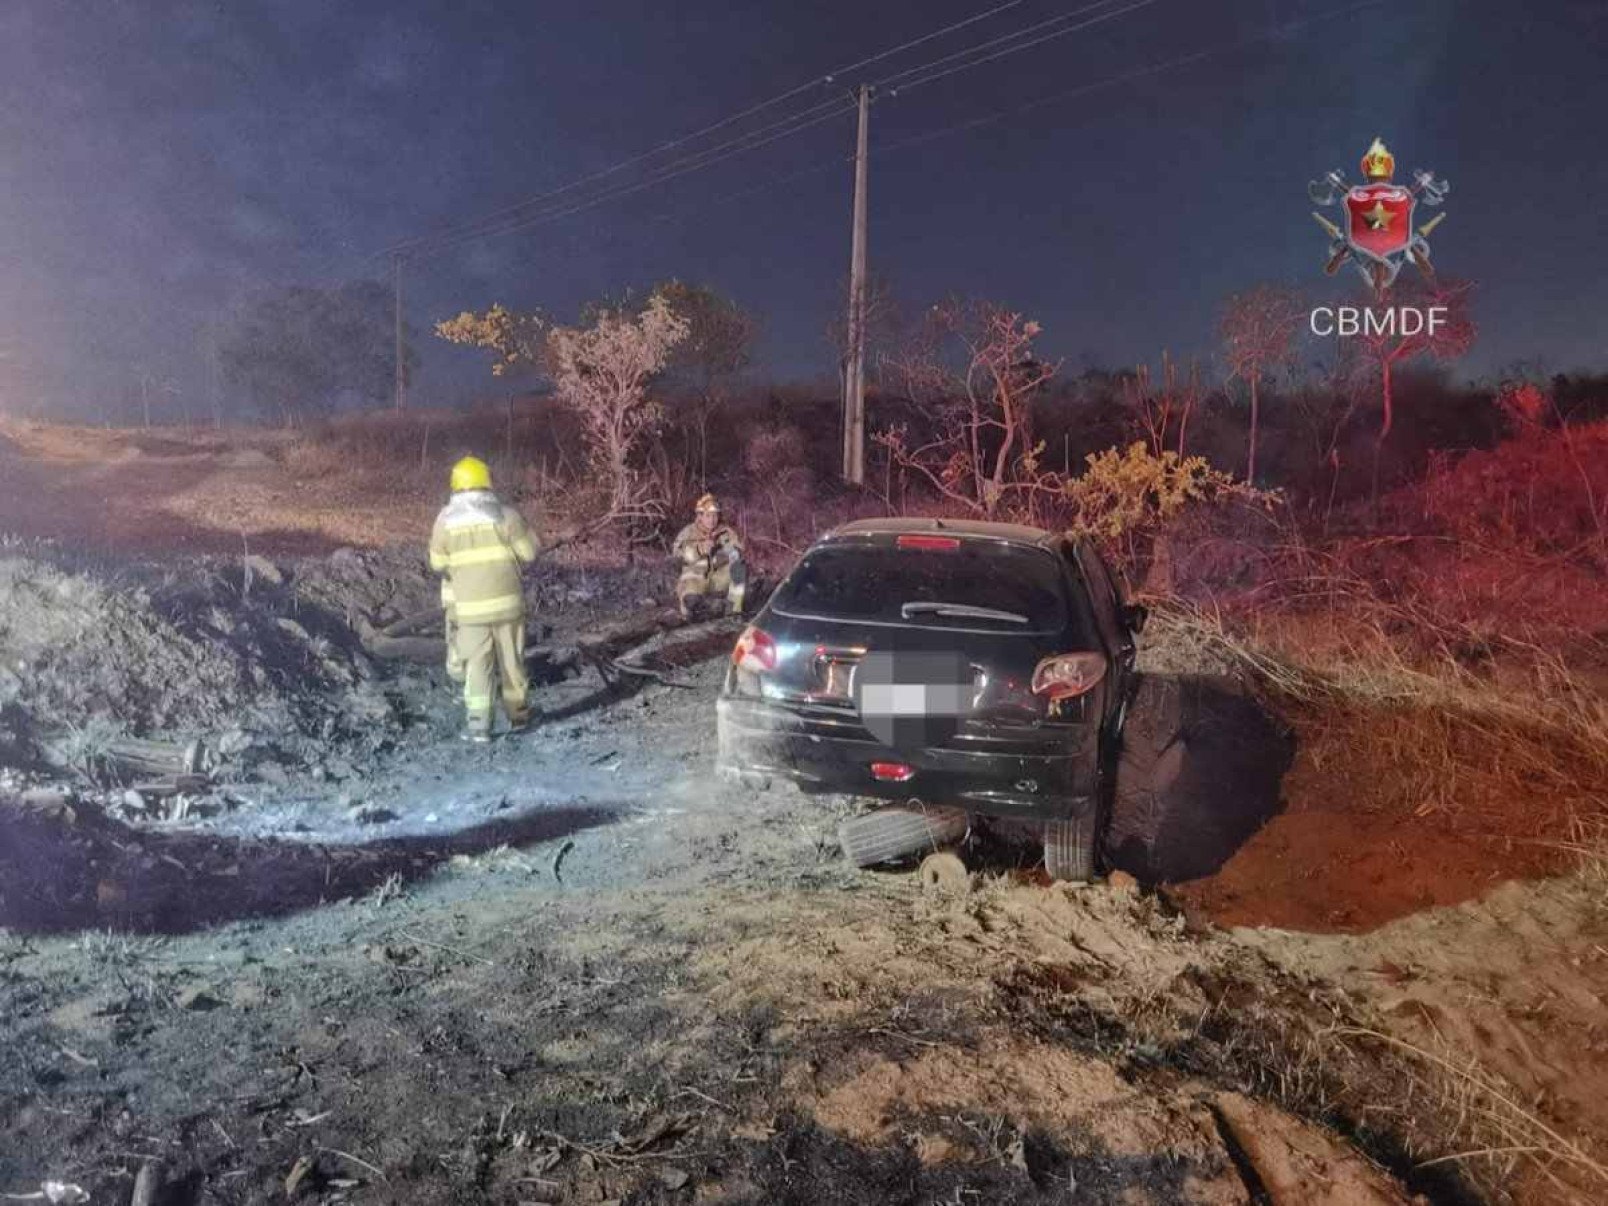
x=401 y=375
x=854 y=377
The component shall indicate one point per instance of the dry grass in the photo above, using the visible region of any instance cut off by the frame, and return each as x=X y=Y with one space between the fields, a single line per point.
x=1445 y=738
x=1506 y=1135
x=1587 y=844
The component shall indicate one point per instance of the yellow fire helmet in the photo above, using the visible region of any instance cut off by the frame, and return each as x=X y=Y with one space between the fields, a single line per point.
x=707 y=503
x=471 y=473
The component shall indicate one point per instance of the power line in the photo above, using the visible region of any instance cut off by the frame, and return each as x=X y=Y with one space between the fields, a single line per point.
x=937 y=33
x=1124 y=77
x=1096 y=86
x=717 y=125
x=669 y=172
x=1038 y=41
x=1156 y=68
x=753 y=139
x=795 y=123
x=1038 y=26
x=1111 y=81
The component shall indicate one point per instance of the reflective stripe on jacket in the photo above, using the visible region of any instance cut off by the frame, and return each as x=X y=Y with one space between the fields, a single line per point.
x=479 y=544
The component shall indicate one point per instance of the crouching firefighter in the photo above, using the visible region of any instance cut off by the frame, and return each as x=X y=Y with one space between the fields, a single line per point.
x=478 y=546
x=710 y=556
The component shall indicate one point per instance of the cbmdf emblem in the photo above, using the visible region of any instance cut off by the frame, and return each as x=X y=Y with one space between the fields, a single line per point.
x=1376 y=231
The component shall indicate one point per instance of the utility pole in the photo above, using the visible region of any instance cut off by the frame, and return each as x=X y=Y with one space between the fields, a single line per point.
x=401 y=374
x=854 y=375
x=214 y=379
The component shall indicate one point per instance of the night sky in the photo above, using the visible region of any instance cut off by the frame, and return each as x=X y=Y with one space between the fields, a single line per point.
x=160 y=161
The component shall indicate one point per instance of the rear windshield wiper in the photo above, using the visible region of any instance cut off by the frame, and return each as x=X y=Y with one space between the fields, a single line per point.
x=960 y=610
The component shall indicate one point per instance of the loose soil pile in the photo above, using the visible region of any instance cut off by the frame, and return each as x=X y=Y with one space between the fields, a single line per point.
x=230 y=656
x=257 y=667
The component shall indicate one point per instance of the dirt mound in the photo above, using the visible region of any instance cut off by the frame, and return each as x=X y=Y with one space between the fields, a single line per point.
x=1520 y=977
x=1065 y=1120
x=1098 y=1021
x=1098 y=1028
x=77 y=648
x=90 y=659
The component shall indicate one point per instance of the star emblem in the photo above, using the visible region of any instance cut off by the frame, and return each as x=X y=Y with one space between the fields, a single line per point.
x=1379 y=218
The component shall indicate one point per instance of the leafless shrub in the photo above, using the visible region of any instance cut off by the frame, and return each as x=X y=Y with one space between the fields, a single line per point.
x=1385 y=352
x=973 y=376
x=1163 y=410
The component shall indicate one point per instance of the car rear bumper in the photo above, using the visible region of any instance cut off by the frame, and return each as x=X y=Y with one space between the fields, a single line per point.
x=1019 y=771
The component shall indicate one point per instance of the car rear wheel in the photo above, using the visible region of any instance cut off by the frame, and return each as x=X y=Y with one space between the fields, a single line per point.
x=1069 y=849
x=892 y=833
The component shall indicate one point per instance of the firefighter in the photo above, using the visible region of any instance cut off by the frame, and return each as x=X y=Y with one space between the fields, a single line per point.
x=709 y=554
x=478 y=546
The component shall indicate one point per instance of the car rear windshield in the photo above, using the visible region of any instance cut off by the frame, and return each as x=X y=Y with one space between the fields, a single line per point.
x=929 y=588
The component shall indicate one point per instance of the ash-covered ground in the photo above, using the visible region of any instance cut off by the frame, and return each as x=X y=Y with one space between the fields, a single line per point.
x=344 y=957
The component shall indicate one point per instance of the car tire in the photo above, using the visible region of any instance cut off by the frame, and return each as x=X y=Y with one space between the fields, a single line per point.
x=893 y=833
x=1069 y=849
x=1149 y=761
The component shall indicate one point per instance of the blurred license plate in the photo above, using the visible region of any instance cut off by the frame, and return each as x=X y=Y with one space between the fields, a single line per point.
x=836 y=679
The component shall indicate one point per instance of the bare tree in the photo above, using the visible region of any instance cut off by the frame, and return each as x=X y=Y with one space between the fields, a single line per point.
x=1163 y=413
x=602 y=372
x=973 y=373
x=1452 y=337
x=1259 y=330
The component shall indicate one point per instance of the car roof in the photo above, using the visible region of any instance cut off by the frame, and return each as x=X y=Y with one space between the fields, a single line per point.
x=1016 y=533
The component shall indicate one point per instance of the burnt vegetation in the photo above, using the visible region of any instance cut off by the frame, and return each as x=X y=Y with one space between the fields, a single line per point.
x=575 y=969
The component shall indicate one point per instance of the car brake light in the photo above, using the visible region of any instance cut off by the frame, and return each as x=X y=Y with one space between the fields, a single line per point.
x=931 y=544
x=892 y=772
x=755 y=651
x=1068 y=676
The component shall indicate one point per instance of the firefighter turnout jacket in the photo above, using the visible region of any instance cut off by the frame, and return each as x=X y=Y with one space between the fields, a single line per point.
x=479 y=545
x=700 y=553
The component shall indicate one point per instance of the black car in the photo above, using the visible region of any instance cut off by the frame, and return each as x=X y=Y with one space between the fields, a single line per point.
x=977 y=669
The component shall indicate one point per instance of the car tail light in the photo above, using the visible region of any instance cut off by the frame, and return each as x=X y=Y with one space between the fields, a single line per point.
x=931 y=544
x=892 y=772
x=1069 y=675
x=755 y=651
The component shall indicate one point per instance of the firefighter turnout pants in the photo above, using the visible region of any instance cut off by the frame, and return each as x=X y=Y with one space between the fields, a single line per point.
x=493 y=660
x=700 y=582
x=455 y=670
